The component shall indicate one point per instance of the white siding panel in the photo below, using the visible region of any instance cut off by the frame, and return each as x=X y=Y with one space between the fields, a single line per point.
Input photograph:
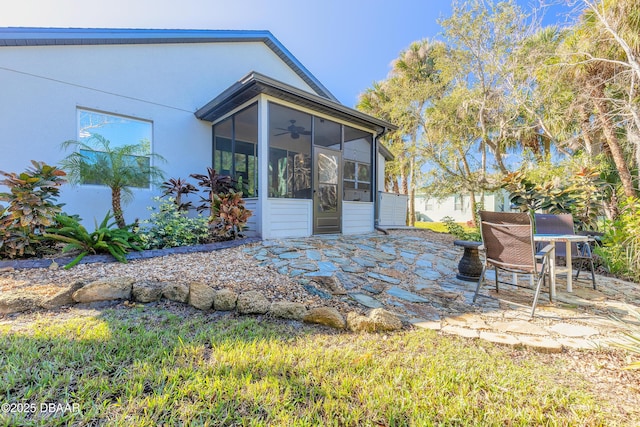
x=254 y=220
x=287 y=218
x=357 y=217
x=393 y=209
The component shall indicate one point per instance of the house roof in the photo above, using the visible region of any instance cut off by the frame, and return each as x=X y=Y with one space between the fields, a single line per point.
x=255 y=83
x=30 y=36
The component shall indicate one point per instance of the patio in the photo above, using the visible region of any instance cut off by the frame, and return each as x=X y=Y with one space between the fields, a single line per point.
x=414 y=276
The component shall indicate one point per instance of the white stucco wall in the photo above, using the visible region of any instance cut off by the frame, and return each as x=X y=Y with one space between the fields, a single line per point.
x=42 y=87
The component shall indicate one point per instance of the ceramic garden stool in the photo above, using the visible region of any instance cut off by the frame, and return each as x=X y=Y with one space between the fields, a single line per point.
x=469 y=267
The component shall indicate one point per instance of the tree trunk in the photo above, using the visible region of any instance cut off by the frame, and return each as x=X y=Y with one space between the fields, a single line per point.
x=473 y=205
x=612 y=141
x=585 y=127
x=116 y=194
x=412 y=190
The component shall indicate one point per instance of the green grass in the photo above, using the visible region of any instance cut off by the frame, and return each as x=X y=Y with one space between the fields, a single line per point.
x=440 y=227
x=147 y=368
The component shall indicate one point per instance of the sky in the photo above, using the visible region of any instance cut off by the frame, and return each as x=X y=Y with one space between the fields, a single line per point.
x=346 y=44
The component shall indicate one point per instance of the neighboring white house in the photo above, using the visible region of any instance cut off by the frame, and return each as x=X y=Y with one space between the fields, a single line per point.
x=457 y=207
x=238 y=101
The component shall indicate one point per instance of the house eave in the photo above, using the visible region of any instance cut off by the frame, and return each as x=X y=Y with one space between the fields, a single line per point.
x=255 y=83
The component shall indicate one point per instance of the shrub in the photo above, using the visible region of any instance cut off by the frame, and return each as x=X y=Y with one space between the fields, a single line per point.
x=169 y=226
x=176 y=188
x=460 y=232
x=32 y=195
x=620 y=248
x=107 y=238
x=229 y=215
x=213 y=183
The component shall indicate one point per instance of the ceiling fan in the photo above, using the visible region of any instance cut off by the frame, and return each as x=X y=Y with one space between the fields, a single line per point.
x=294 y=130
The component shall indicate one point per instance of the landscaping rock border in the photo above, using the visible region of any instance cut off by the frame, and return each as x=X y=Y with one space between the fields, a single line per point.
x=199 y=295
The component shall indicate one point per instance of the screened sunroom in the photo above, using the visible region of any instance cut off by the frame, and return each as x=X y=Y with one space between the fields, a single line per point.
x=310 y=165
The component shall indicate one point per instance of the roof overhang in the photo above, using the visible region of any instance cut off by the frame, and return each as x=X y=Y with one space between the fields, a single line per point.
x=254 y=84
x=30 y=36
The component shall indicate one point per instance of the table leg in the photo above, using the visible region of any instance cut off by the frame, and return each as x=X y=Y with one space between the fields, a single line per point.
x=569 y=268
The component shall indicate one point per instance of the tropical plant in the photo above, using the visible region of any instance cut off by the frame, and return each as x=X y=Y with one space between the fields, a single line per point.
x=169 y=226
x=107 y=238
x=121 y=168
x=32 y=208
x=471 y=234
x=620 y=248
x=176 y=188
x=213 y=183
x=229 y=215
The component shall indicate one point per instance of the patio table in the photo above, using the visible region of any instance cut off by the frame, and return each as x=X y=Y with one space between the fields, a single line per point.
x=568 y=239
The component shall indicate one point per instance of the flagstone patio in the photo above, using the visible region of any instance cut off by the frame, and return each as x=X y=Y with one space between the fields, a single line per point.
x=415 y=278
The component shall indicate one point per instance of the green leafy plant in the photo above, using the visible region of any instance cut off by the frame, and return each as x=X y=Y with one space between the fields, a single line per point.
x=107 y=238
x=530 y=196
x=31 y=197
x=169 y=226
x=229 y=215
x=620 y=248
x=176 y=188
x=580 y=192
x=471 y=234
x=120 y=168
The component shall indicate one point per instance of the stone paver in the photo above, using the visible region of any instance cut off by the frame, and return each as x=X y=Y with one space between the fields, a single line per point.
x=415 y=278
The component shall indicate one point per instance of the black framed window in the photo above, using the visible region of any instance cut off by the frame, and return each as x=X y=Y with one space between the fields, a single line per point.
x=357 y=176
x=289 y=153
x=235 y=149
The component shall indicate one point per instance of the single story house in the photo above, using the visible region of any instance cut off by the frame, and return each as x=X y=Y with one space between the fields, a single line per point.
x=458 y=207
x=238 y=101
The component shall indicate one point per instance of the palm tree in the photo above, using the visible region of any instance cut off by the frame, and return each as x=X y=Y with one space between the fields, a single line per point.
x=120 y=168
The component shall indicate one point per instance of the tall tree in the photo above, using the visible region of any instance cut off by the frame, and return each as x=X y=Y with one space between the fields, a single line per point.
x=599 y=76
x=415 y=82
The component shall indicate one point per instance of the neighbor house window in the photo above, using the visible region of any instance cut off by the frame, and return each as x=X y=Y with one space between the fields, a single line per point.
x=457 y=203
x=235 y=149
x=357 y=165
x=119 y=131
x=289 y=153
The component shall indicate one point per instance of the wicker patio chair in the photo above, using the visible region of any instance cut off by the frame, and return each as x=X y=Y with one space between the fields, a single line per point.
x=508 y=244
x=563 y=224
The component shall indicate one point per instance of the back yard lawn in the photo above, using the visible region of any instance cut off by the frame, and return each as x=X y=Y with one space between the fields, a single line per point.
x=167 y=364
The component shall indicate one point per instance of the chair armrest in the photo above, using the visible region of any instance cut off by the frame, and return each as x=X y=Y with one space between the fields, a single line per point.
x=547 y=251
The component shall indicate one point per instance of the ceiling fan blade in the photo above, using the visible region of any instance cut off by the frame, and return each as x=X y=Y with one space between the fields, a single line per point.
x=305 y=132
x=283 y=133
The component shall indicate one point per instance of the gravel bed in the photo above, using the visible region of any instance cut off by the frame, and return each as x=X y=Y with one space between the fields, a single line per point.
x=227 y=268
